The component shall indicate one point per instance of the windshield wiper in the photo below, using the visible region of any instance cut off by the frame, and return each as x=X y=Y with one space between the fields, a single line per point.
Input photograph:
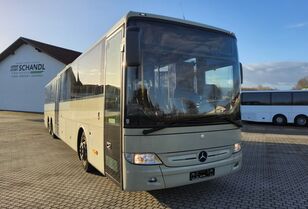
x=166 y=125
x=148 y=131
x=151 y=130
x=234 y=122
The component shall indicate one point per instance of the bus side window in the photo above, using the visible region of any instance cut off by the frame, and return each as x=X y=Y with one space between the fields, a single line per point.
x=300 y=98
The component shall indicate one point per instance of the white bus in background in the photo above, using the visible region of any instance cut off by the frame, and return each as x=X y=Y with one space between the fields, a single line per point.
x=153 y=104
x=278 y=107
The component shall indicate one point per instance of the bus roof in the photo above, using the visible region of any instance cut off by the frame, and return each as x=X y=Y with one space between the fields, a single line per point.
x=142 y=15
x=133 y=14
x=275 y=91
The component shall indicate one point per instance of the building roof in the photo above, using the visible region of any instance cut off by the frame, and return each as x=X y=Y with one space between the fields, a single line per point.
x=65 y=56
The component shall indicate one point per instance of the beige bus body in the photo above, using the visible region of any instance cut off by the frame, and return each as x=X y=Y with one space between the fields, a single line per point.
x=177 y=147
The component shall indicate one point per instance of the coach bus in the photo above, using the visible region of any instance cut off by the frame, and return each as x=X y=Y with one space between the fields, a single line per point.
x=278 y=107
x=153 y=104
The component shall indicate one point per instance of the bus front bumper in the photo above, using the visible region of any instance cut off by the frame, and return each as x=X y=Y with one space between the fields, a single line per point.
x=152 y=177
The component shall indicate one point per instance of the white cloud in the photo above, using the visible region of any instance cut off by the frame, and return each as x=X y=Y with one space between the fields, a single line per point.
x=280 y=75
x=298 y=25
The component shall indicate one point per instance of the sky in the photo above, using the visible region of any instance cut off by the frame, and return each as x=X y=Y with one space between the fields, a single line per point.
x=272 y=35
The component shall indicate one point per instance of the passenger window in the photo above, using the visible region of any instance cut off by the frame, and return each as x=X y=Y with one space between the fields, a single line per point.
x=256 y=99
x=300 y=98
x=87 y=78
x=281 y=98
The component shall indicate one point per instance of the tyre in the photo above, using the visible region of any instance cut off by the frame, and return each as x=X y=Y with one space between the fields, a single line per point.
x=301 y=120
x=50 y=130
x=83 y=153
x=49 y=127
x=280 y=120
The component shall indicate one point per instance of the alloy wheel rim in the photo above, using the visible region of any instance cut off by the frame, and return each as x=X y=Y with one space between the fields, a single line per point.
x=279 y=120
x=301 y=121
x=83 y=149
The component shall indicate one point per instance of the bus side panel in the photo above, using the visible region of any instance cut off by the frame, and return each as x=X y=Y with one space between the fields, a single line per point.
x=300 y=110
x=65 y=116
x=88 y=115
x=256 y=113
x=49 y=113
x=266 y=113
x=63 y=107
x=286 y=110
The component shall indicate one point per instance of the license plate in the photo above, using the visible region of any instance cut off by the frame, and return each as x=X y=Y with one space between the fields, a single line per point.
x=202 y=174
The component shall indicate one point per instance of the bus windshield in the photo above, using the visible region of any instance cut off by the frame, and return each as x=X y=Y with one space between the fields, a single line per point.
x=186 y=73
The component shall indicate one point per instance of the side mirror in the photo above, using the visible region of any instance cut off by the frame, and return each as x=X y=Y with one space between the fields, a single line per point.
x=241 y=70
x=133 y=57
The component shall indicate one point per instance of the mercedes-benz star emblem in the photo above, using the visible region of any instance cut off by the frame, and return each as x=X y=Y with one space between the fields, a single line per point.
x=202 y=156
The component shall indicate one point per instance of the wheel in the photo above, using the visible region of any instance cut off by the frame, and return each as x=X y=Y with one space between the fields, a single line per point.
x=50 y=130
x=83 y=153
x=301 y=120
x=280 y=120
x=49 y=127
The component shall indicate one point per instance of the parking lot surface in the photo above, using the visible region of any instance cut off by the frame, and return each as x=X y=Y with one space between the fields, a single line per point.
x=37 y=171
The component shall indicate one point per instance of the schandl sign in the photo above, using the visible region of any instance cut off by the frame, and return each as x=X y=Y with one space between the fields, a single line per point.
x=28 y=69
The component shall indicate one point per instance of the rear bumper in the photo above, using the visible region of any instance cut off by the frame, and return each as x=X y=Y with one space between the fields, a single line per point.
x=138 y=177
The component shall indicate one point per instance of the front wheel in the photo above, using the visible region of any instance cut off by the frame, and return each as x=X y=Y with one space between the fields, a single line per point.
x=301 y=120
x=280 y=120
x=83 y=153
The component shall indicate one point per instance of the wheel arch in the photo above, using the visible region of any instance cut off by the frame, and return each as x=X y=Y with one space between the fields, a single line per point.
x=299 y=115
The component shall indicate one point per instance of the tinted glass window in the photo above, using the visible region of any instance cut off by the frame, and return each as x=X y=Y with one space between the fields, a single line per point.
x=67 y=80
x=255 y=98
x=185 y=73
x=113 y=79
x=62 y=82
x=281 y=98
x=300 y=98
x=87 y=77
x=50 y=92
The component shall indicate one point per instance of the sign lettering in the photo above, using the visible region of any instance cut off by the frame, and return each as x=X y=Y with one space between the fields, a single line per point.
x=33 y=69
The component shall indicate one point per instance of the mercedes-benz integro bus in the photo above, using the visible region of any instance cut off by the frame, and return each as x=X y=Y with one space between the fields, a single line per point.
x=153 y=104
x=278 y=107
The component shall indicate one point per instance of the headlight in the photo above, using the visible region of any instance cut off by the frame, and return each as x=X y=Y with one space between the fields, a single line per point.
x=237 y=147
x=143 y=159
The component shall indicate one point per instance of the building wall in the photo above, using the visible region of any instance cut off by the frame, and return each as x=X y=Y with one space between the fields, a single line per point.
x=23 y=76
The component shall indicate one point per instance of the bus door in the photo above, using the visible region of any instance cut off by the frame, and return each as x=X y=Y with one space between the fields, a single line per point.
x=57 y=101
x=112 y=116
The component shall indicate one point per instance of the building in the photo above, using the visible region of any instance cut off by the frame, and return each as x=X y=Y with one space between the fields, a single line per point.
x=26 y=66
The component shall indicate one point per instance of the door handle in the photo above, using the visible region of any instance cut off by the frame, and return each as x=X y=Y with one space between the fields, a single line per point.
x=108 y=145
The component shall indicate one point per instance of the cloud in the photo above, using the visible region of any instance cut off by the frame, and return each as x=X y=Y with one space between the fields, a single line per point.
x=298 y=25
x=280 y=75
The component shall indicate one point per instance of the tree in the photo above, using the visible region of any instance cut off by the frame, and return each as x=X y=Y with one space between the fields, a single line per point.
x=301 y=84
